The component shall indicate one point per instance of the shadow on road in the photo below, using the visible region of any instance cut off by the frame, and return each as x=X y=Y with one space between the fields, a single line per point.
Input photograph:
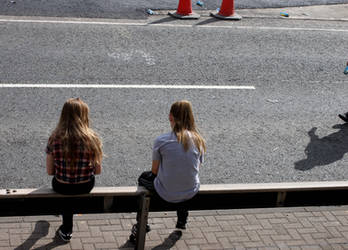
x=164 y=20
x=208 y=21
x=326 y=150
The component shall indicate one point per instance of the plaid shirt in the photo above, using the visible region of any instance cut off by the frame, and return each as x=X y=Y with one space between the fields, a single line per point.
x=84 y=169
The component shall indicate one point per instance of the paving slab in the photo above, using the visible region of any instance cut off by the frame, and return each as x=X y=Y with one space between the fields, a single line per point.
x=269 y=228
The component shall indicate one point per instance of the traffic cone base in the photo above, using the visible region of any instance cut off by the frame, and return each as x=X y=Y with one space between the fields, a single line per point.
x=191 y=15
x=234 y=16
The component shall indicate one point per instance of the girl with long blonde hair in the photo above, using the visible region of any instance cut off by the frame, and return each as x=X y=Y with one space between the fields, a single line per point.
x=73 y=157
x=176 y=159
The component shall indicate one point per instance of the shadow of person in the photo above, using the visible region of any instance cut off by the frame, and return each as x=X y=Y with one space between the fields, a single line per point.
x=40 y=231
x=170 y=241
x=325 y=150
x=56 y=241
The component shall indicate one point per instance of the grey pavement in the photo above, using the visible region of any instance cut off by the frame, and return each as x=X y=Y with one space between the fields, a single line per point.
x=321 y=12
x=276 y=228
x=286 y=129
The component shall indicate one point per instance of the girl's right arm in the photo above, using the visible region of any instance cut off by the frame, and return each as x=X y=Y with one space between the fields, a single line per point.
x=49 y=164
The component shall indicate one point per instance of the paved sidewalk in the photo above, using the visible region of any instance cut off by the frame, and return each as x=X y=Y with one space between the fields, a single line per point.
x=320 y=12
x=276 y=228
x=338 y=12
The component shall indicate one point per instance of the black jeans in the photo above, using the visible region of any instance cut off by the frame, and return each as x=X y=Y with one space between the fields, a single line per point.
x=182 y=208
x=146 y=180
x=71 y=189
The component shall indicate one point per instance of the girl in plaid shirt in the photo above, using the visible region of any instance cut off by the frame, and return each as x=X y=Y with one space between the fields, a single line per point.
x=74 y=155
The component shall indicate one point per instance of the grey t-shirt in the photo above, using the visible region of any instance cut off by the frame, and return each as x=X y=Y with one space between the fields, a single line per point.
x=177 y=178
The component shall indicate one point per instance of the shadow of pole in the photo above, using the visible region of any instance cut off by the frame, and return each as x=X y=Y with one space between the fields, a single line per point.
x=209 y=21
x=325 y=150
x=164 y=20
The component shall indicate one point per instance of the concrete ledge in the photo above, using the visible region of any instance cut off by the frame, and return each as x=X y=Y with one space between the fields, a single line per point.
x=272 y=187
x=204 y=189
x=44 y=201
x=48 y=192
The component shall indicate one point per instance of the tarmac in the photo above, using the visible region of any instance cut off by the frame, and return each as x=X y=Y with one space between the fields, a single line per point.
x=266 y=228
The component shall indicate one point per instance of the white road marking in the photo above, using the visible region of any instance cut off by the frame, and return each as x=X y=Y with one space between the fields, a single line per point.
x=129 y=86
x=48 y=21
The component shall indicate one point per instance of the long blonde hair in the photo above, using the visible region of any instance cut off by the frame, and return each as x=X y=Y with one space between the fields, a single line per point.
x=73 y=129
x=183 y=122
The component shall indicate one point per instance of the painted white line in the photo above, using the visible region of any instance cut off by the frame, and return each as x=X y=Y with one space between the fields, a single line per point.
x=69 y=22
x=290 y=28
x=251 y=27
x=129 y=86
x=165 y=25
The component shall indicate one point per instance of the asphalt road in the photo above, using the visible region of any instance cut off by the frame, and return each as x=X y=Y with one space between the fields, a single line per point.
x=134 y=9
x=285 y=130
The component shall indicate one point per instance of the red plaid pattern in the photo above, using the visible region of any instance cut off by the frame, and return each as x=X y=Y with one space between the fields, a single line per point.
x=84 y=169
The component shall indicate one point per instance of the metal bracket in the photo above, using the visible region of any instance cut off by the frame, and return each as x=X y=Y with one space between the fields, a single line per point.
x=281 y=199
x=144 y=212
x=108 y=201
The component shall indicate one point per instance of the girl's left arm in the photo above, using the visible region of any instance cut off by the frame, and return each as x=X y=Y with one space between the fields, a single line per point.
x=98 y=169
x=49 y=164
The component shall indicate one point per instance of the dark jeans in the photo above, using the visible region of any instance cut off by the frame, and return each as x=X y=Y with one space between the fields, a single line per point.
x=146 y=180
x=70 y=189
x=182 y=208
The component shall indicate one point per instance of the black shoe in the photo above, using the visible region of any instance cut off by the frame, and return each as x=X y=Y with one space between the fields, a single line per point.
x=64 y=236
x=344 y=117
x=181 y=225
x=133 y=236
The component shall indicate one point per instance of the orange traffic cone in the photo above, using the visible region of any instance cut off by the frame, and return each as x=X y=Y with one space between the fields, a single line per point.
x=184 y=11
x=226 y=11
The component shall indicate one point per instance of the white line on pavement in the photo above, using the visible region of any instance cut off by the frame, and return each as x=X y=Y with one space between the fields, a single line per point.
x=129 y=86
x=6 y=20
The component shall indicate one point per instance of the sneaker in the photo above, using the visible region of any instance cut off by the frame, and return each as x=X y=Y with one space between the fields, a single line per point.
x=181 y=225
x=344 y=117
x=133 y=236
x=64 y=236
